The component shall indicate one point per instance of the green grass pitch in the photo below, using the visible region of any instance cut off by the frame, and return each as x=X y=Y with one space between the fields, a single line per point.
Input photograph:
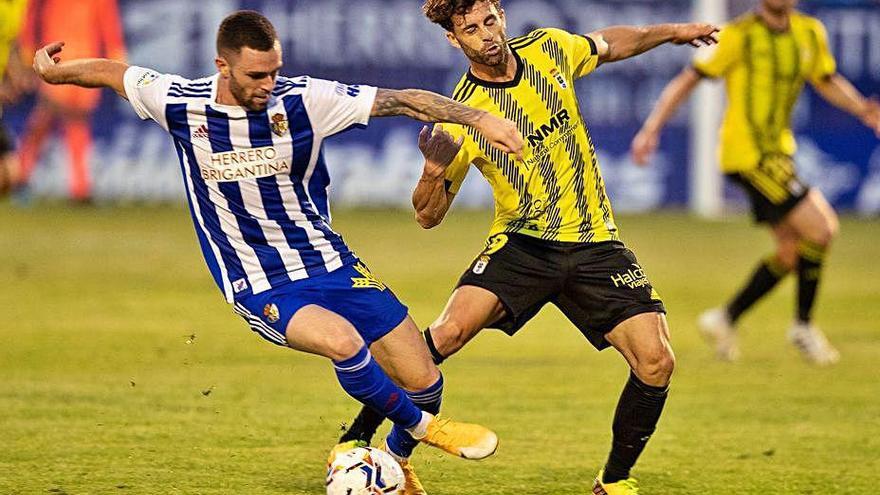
x=122 y=371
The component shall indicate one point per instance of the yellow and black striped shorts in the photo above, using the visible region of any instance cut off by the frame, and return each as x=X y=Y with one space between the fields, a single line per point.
x=773 y=187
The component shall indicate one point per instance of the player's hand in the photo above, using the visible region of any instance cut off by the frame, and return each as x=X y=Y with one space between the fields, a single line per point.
x=643 y=146
x=696 y=34
x=439 y=148
x=871 y=116
x=46 y=59
x=501 y=133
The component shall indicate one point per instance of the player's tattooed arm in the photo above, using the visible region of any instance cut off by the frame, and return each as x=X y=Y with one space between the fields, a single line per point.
x=431 y=107
x=430 y=198
x=86 y=72
x=621 y=42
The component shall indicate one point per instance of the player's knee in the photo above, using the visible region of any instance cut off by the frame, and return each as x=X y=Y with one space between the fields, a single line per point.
x=787 y=255
x=824 y=232
x=656 y=369
x=342 y=345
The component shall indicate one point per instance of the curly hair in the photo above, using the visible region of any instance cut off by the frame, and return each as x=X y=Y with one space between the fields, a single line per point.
x=441 y=11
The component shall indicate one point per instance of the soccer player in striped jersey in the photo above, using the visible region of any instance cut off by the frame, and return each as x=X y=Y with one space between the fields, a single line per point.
x=765 y=57
x=250 y=148
x=554 y=238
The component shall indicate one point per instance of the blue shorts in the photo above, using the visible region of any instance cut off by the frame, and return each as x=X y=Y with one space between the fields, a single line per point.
x=351 y=292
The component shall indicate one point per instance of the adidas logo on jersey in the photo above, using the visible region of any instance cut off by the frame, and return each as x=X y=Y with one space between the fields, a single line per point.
x=201 y=132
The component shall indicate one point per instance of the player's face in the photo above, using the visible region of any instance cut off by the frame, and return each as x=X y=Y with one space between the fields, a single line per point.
x=780 y=6
x=481 y=34
x=251 y=75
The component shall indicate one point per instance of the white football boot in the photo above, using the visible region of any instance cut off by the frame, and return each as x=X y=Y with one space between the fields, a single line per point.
x=716 y=328
x=813 y=344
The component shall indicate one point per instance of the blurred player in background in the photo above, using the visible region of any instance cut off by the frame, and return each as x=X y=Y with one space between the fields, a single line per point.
x=250 y=144
x=12 y=82
x=765 y=57
x=92 y=28
x=554 y=239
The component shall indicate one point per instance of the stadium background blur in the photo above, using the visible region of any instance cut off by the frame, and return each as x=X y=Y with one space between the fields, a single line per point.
x=122 y=371
x=358 y=42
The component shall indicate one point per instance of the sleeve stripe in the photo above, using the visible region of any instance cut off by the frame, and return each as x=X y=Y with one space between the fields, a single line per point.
x=593 y=49
x=701 y=72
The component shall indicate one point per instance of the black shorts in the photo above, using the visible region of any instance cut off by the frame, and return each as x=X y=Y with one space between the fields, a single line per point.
x=773 y=187
x=597 y=286
x=6 y=145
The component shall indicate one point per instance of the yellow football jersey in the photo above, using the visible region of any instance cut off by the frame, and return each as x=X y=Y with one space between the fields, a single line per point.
x=11 y=20
x=764 y=73
x=556 y=193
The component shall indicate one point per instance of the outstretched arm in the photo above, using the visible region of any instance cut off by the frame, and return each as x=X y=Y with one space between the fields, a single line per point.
x=431 y=107
x=621 y=42
x=838 y=91
x=86 y=72
x=675 y=93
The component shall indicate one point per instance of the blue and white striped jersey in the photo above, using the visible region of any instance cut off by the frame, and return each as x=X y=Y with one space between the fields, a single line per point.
x=256 y=182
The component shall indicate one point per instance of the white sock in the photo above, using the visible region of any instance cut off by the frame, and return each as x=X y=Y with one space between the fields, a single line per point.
x=420 y=430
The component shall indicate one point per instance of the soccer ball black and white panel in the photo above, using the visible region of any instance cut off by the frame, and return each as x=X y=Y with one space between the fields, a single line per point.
x=365 y=471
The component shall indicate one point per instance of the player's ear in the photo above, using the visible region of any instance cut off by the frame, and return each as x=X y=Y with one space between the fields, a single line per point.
x=450 y=37
x=222 y=66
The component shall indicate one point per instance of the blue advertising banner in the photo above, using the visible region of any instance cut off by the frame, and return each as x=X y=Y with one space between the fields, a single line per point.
x=390 y=44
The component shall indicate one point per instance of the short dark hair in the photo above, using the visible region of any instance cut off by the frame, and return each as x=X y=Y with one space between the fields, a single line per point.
x=246 y=28
x=441 y=11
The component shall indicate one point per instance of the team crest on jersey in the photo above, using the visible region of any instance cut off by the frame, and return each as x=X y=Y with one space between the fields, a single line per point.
x=559 y=78
x=271 y=313
x=368 y=281
x=279 y=124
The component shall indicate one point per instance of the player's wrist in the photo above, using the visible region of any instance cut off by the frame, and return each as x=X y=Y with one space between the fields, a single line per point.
x=433 y=171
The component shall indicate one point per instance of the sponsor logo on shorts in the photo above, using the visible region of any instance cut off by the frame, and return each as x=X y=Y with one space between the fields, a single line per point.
x=481 y=264
x=633 y=278
x=239 y=285
x=368 y=281
x=271 y=313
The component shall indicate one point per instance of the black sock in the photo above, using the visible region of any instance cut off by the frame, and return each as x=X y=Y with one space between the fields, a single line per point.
x=364 y=426
x=810 y=260
x=766 y=276
x=435 y=354
x=636 y=418
x=368 y=420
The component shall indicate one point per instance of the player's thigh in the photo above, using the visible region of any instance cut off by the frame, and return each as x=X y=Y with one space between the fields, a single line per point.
x=469 y=310
x=404 y=356
x=813 y=218
x=643 y=340
x=523 y=273
x=317 y=330
x=606 y=287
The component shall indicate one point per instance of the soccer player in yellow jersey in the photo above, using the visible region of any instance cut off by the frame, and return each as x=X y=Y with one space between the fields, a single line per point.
x=765 y=57
x=11 y=20
x=554 y=239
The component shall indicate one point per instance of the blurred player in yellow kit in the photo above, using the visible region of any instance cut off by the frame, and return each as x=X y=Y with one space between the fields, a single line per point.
x=765 y=57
